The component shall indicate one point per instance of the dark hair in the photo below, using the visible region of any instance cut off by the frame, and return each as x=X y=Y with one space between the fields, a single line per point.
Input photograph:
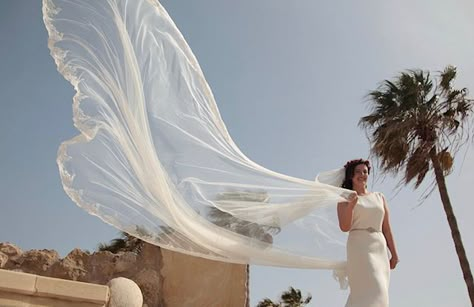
x=350 y=168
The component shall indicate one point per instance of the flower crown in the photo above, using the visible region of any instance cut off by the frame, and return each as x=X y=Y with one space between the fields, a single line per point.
x=357 y=161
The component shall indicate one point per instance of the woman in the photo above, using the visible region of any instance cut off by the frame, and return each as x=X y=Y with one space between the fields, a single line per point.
x=366 y=217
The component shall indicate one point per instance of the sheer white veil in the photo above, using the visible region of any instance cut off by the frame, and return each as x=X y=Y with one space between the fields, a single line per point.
x=153 y=157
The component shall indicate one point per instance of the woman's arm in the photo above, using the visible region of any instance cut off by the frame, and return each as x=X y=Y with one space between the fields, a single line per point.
x=344 y=212
x=387 y=232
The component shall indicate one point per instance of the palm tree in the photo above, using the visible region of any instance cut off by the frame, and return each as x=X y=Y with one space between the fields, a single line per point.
x=126 y=242
x=290 y=298
x=417 y=125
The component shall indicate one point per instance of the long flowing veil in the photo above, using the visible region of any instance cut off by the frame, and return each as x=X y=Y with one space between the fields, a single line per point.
x=154 y=158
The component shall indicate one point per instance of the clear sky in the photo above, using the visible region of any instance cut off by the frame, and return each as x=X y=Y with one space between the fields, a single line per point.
x=290 y=79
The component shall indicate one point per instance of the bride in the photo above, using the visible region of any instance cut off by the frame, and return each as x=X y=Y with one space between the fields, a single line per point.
x=366 y=217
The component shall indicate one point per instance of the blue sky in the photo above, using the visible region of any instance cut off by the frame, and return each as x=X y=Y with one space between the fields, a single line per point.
x=290 y=80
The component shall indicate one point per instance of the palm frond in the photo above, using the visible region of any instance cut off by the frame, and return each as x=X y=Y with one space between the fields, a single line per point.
x=446 y=77
x=268 y=303
x=413 y=114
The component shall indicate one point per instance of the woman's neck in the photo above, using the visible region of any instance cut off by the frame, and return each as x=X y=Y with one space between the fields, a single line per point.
x=361 y=190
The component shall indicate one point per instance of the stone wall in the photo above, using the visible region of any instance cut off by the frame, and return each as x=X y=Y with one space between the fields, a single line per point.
x=192 y=281
x=22 y=289
x=165 y=278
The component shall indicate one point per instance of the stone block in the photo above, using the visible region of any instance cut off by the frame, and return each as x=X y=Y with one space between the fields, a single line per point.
x=17 y=282
x=72 y=290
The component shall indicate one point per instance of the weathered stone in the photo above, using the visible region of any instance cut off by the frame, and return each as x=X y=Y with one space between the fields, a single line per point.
x=38 y=261
x=14 y=255
x=10 y=250
x=150 y=256
x=124 y=293
x=101 y=267
x=3 y=260
x=126 y=262
x=72 y=267
x=194 y=281
x=165 y=278
x=150 y=282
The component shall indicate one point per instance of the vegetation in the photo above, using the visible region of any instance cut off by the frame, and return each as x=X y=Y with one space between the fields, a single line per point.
x=417 y=125
x=126 y=243
x=290 y=298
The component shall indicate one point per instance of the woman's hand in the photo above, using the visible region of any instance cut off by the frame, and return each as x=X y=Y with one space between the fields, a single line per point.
x=352 y=200
x=393 y=262
x=344 y=212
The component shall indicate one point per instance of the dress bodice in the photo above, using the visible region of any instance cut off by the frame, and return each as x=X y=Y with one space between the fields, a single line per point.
x=368 y=212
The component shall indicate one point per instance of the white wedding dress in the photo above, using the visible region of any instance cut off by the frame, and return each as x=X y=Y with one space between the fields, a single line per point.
x=367 y=256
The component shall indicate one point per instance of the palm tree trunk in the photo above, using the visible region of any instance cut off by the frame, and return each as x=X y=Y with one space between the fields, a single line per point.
x=448 y=209
x=247 y=286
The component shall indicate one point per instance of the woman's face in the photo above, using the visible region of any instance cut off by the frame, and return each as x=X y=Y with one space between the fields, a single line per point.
x=361 y=174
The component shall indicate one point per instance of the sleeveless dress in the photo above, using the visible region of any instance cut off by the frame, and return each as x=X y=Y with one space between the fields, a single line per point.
x=368 y=266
